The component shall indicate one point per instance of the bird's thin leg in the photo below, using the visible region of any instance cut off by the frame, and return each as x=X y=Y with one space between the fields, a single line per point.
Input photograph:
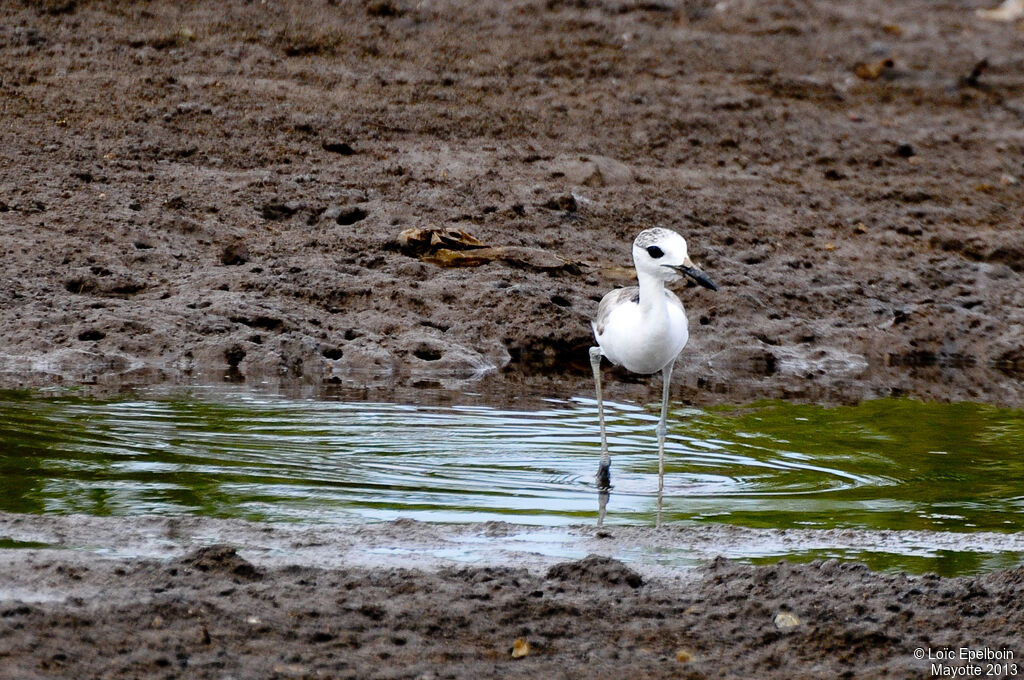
x=604 y=468
x=666 y=382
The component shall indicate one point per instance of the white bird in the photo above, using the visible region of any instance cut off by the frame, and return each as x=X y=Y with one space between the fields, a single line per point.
x=644 y=329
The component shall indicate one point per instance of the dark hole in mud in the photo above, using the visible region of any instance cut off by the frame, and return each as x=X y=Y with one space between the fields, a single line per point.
x=372 y=612
x=80 y=285
x=561 y=301
x=234 y=355
x=91 y=334
x=919 y=358
x=279 y=211
x=1011 y=363
x=268 y=323
x=540 y=355
x=760 y=361
x=333 y=353
x=234 y=254
x=434 y=324
x=298 y=46
x=342 y=148
x=174 y=203
x=351 y=215
x=566 y=203
x=427 y=353
x=905 y=150
x=129 y=288
x=384 y=9
x=20 y=610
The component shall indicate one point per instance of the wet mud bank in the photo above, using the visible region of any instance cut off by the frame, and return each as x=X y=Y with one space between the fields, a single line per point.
x=306 y=602
x=217 y=191
x=850 y=176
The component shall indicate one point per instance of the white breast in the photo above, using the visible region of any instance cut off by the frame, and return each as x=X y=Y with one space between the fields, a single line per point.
x=638 y=344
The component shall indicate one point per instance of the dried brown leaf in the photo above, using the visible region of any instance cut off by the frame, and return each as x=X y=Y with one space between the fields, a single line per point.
x=520 y=648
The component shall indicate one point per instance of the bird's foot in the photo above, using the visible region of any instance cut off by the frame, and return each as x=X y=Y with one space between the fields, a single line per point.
x=604 y=476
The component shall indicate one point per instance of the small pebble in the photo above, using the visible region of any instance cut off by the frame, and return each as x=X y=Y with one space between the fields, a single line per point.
x=784 y=620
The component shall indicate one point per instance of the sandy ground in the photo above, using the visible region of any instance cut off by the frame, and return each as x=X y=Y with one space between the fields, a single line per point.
x=216 y=191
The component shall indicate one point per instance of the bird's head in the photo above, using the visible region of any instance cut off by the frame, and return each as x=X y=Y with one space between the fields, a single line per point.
x=661 y=253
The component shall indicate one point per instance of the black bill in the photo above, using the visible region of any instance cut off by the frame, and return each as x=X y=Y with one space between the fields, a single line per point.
x=698 y=276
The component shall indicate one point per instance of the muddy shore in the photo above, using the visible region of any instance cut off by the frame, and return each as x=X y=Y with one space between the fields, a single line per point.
x=202 y=598
x=216 y=191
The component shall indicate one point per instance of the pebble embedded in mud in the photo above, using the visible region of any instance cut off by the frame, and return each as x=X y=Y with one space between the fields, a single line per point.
x=786 y=620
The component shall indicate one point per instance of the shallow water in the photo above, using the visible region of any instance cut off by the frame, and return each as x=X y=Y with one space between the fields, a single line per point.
x=889 y=464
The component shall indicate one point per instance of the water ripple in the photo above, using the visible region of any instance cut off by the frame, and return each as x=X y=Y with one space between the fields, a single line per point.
x=891 y=464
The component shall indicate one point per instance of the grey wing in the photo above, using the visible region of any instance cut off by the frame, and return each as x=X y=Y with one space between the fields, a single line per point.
x=609 y=302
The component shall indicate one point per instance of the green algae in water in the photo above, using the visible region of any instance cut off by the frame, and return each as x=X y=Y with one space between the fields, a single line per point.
x=948 y=563
x=888 y=464
x=7 y=543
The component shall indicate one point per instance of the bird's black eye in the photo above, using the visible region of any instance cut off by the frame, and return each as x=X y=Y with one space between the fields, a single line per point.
x=655 y=252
